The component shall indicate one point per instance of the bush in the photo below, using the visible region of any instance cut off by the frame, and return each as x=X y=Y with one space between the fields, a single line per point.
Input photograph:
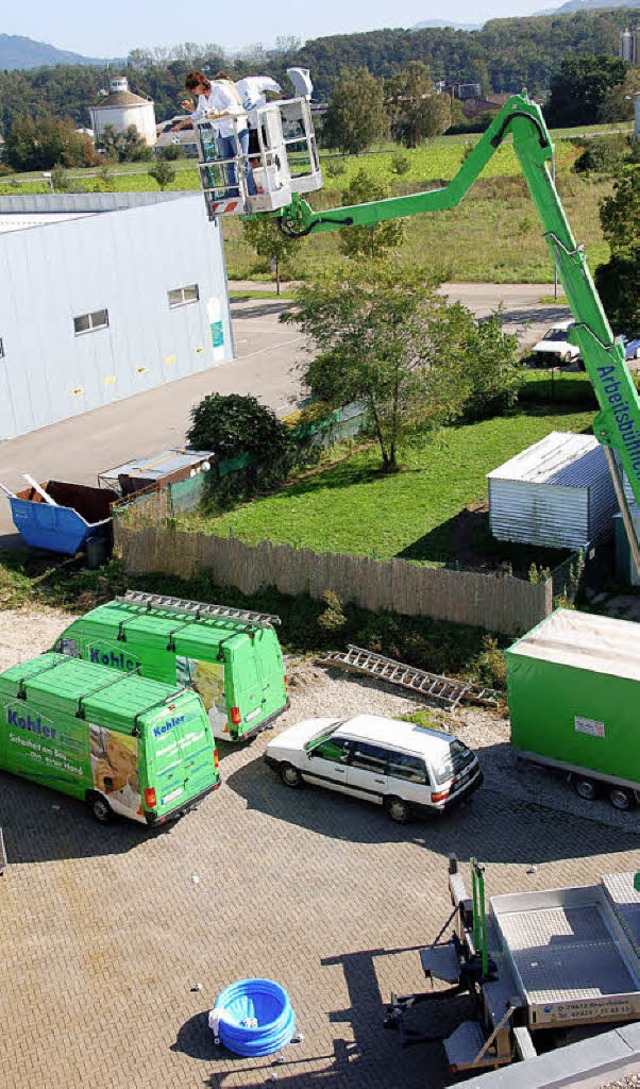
x=491 y=664
x=334 y=167
x=602 y=155
x=333 y=618
x=400 y=163
x=232 y=425
x=171 y=153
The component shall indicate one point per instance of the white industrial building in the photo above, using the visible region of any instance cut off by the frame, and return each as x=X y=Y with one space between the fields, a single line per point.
x=105 y=295
x=121 y=108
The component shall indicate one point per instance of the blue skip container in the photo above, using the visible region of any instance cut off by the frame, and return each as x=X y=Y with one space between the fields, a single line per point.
x=80 y=512
x=253 y=1017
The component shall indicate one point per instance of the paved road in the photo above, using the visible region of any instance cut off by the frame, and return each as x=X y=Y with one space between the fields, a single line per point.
x=79 y=448
x=106 y=935
x=267 y=353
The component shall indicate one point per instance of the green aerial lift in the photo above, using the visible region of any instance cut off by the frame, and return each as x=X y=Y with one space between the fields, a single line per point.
x=617 y=424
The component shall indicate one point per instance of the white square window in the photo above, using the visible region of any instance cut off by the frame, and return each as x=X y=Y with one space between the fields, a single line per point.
x=182 y=296
x=87 y=323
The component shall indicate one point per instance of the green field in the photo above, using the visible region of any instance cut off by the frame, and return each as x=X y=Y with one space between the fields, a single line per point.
x=494 y=235
x=352 y=507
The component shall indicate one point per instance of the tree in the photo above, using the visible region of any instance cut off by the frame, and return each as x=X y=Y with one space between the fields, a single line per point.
x=417 y=112
x=620 y=213
x=380 y=237
x=618 y=285
x=579 y=89
x=356 y=117
x=617 y=104
x=163 y=172
x=386 y=336
x=618 y=281
x=233 y=424
x=124 y=147
x=287 y=43
x=269 y=243
x=42 y=143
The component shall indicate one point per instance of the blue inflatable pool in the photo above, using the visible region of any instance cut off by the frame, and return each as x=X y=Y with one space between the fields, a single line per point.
x=253 y=1017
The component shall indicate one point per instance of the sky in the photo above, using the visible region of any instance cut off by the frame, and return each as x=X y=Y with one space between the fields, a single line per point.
x=114 y=28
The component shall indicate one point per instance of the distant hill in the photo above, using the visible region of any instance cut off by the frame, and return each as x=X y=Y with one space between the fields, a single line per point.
x=429 y=23
x=576 y=5
x=572 y=6
x=18 y=52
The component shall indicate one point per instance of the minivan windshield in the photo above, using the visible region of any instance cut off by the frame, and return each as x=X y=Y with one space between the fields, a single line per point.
x=556 y=334
x=324 y=733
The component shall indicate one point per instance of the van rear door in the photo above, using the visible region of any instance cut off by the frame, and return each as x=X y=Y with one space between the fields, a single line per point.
x=182 y=762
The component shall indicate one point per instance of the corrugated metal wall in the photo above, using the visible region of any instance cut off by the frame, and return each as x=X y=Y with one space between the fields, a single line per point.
x=125 y=259
x=557 y=493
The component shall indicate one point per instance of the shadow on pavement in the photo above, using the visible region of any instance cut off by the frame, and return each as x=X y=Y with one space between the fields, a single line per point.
x=484 y=828
x=366 y=1054
x=40 y=825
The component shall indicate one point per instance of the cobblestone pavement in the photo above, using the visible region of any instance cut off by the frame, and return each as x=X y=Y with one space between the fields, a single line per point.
x=107 y=932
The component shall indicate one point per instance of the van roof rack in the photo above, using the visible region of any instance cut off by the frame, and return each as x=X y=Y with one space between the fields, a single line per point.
x=198 y=609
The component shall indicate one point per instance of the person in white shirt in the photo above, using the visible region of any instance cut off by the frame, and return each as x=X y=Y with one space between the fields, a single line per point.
x=252 y=93
x=220 y=101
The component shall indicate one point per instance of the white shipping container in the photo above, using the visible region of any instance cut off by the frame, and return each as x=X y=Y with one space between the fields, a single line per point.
x=557 y=493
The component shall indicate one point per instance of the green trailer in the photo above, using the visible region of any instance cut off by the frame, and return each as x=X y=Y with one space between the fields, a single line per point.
x=125 y=745
x=573 y=689
x=231 y=657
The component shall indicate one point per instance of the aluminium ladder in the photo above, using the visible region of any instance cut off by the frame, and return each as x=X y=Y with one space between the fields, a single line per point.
x=198 y=609
x=433 y=685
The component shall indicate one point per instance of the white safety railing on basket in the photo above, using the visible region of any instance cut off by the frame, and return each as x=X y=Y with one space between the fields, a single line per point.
x=285 y=162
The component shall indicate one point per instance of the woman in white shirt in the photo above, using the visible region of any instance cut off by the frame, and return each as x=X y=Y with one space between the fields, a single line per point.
x=220 y=101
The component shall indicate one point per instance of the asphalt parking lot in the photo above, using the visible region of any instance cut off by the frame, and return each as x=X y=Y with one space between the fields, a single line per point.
x=107 y=933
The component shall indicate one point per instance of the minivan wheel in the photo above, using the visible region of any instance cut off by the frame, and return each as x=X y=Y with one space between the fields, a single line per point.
x=290 y=776
x=398 y=810
x=101 y=809
x=621 y=798
x=586 y=789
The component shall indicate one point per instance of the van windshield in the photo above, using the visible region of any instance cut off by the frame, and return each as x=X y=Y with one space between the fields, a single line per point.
x=458 y=758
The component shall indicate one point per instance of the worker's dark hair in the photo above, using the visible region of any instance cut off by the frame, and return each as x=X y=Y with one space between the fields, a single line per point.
x=195 y=79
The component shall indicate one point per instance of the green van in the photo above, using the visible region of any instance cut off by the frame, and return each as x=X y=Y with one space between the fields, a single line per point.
x=231 y=657
x=123 y=744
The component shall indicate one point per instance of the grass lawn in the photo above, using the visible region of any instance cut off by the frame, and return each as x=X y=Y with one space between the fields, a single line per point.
x=494 y=236
x=351 y=507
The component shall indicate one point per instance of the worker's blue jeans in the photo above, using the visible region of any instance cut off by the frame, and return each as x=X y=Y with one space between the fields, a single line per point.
x=228 y=149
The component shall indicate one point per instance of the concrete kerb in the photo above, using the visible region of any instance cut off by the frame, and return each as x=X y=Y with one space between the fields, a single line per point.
x=576 y=1066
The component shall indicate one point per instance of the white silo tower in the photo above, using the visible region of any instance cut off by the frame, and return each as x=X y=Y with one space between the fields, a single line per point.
x=121 y=108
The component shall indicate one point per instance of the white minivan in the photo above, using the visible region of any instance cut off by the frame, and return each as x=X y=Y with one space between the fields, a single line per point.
x=403 y=767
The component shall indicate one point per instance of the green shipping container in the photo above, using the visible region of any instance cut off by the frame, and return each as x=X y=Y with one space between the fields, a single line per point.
x=234 y=662
x=574 y=690
x=123 y=744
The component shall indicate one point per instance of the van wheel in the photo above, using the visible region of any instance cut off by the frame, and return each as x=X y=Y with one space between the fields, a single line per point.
x=100 y=808
x=290 y=776
x=398 y=810
x=586 y=789
x=621 y=798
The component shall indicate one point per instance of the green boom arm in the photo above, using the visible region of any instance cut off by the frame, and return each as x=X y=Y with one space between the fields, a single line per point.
x=617 y=425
